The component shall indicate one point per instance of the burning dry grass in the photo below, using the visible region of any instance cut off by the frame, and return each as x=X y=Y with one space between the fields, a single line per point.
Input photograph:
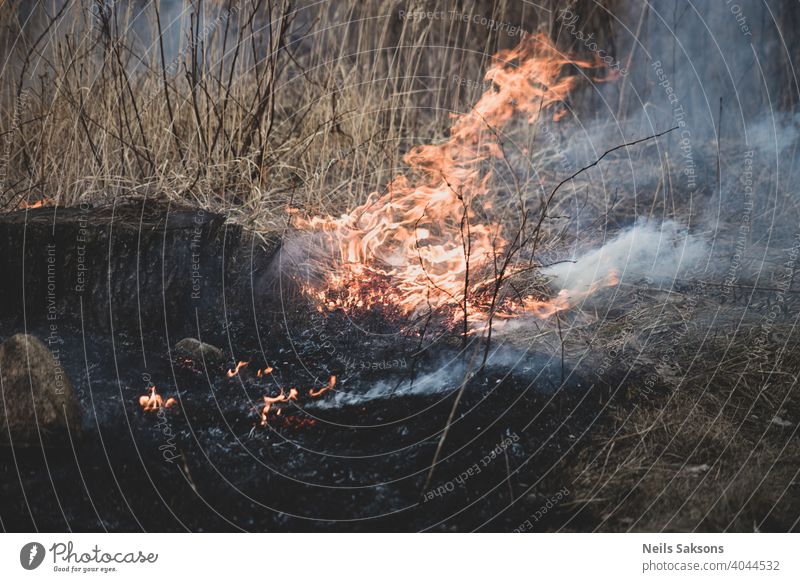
x=262 y=107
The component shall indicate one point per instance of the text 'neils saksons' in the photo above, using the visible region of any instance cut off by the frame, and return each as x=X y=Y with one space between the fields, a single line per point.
x=664 y=548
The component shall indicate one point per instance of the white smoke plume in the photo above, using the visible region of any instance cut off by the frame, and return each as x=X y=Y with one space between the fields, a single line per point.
x=660 y=252
x=449 y=375
x=444 y=379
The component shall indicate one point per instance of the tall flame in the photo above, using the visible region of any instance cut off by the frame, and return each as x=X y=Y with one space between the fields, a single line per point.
x=422 y=245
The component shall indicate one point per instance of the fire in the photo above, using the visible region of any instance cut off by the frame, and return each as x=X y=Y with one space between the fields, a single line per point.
x=153 y=401
x=24 y=205
x=316 y=393
x=235 y=371
x=565 y=299
x=271 y=401
x=265 y=372
x=424 y=244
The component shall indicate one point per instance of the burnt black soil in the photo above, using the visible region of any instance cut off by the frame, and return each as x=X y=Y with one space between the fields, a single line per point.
x=332 y=463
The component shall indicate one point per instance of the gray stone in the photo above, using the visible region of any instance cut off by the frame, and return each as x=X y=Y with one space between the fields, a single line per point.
x=198 y=352
x=38 y=405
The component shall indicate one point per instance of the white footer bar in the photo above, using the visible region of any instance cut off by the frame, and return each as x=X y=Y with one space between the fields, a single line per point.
x=401 y=557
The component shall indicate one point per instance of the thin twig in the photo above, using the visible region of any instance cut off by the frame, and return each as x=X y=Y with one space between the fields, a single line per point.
x=447 y=425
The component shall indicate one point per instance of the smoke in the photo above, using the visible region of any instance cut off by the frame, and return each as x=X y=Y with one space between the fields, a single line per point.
x=444 y=379
x=450 y=372
x=659 y=252
x=707 y=55
x=302 y=260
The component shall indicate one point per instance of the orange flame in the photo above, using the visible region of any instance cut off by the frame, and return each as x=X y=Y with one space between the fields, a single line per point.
x=565 y=299
x=329 y=386
x=25 y=205
x=270 y=401
x=421 y=245
x=235 y=371
x=153 y=401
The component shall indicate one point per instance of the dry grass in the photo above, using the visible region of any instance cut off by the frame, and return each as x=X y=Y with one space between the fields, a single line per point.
x=697 y=433
x=264 y=103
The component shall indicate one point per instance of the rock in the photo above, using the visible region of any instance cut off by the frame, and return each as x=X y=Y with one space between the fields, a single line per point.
x=199 y=352
x=37 y=396
x=171 y=264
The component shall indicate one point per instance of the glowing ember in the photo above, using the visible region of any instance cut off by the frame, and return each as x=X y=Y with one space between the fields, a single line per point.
x=153 y=401
x=235 y=371
x=422 y=245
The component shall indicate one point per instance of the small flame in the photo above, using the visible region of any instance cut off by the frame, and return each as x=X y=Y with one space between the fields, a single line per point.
x=265 y=372
x=566 y=299
x=153 y=401
x=235 y=371
x=271 y=401
x=25 y=205
x=329 y=386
